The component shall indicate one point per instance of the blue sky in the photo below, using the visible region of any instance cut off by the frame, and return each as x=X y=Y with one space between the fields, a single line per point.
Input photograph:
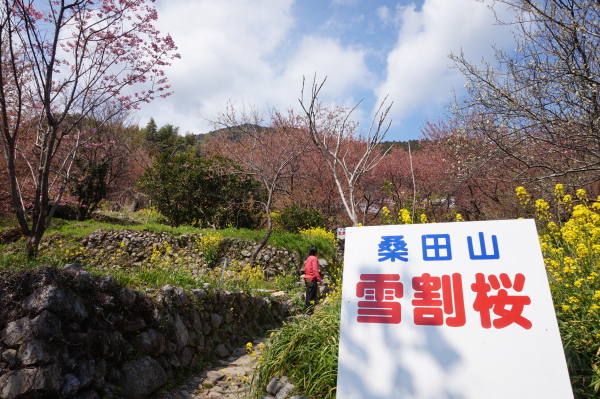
x=256 y=52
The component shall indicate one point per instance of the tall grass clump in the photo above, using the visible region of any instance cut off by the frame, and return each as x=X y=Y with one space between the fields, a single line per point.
x=569 y=232
x=306 y=351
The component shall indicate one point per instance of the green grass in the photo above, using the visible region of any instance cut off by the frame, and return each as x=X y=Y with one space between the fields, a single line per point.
x=306 y=351
x=248 y=279
x=147 y=277
x=18 y=261
x=76 y=230
x=138 y=278
x=293 y=242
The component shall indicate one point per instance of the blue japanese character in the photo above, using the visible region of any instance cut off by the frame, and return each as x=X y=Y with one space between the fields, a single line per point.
x=484 y=254
x=436 y=247
x=393 y=247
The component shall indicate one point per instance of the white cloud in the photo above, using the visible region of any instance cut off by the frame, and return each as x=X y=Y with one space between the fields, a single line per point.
x=383 y=13
x=223 y=46
x=418 y=77
x=344 y=67
x=243 y=51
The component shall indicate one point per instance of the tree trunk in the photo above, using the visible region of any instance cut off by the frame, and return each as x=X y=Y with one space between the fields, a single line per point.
x=262 y=244
x=32 y=243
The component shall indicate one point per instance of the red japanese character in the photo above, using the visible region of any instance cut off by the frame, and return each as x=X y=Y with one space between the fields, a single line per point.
x=379 y=291
x=426 y=288
x=498 y=303
x=428 y=305
x=454 y=303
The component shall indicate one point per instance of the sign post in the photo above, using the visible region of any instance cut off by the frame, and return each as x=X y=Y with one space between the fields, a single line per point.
x=448 y=310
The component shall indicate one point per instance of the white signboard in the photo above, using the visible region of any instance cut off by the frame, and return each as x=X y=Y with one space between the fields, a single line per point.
x=448 y=310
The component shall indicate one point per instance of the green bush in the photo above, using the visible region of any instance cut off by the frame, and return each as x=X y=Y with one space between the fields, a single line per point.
x=90 y=186
x=293 y=219
x=197 y=191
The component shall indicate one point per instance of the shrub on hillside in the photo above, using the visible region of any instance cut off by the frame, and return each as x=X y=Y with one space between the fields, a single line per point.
x=200 y=192
x=293 y=219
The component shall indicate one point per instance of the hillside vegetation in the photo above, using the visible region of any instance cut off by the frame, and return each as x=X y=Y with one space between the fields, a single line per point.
x=74 y=167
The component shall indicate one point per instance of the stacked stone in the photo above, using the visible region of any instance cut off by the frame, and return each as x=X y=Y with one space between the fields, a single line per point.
x=280 y=388
x=84 y=337
x=137 y=247
x=272 y=260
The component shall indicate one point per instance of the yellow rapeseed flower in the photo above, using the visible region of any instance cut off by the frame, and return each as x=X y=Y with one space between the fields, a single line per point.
x=567 y=201
x=582 y=251
x=522 y=196
x=404 y=216
x=559 y=191
x=319 y=232
x=541 y=209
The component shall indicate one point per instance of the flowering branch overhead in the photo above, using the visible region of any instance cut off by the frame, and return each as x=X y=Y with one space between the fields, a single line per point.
x=61 y=62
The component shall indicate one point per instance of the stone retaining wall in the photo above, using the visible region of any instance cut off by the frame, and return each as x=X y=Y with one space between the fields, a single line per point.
x=65 y=333
x=136 y=247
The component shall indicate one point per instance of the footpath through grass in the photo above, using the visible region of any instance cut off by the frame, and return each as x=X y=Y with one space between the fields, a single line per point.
x=306 y=351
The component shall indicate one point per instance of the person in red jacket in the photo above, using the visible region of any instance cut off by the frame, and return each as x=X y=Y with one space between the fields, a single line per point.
x=311 y=279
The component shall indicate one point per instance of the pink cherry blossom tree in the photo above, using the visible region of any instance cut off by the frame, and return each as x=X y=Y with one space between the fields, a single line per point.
x=60 y=63
x=348 y=154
